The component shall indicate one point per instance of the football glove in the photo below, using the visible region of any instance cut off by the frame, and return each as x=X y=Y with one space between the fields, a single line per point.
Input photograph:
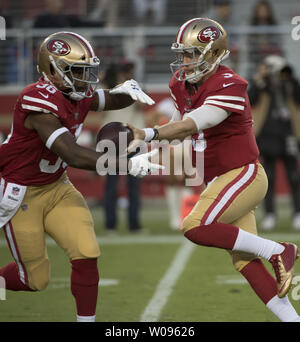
x=132 y=88
x=139 y=166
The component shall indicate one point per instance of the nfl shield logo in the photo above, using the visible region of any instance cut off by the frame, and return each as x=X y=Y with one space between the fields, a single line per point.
x=76 y=115
x=15 y=191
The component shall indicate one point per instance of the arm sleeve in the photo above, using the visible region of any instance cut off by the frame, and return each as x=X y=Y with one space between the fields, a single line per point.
x=207 y=116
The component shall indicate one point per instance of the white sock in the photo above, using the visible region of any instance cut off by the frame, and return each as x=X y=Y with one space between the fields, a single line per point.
x=250 y=243
x=86 y=318
x=283 y=309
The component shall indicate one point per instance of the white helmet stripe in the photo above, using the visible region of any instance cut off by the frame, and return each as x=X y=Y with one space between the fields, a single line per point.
x=84 y=41
x=183 y=28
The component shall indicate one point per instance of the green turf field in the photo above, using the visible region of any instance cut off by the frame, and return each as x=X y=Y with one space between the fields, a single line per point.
x=152 y=276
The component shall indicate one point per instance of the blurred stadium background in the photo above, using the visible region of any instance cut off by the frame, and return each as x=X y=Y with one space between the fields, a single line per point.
x=125 y=30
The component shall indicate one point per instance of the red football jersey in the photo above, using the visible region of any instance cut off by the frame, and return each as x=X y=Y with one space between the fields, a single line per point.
x=24 y=158
x=232 y=143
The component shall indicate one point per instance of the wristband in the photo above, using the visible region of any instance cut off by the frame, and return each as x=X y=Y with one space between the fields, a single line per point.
x=149 y=134
x=156 y=133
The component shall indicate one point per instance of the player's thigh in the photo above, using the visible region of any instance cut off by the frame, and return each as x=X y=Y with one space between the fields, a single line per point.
x=248 y=194
x=247 y=223
x=71 y=225
x=229 y=197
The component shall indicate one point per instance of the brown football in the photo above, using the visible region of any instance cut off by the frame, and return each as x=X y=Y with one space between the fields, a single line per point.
x=118 y=133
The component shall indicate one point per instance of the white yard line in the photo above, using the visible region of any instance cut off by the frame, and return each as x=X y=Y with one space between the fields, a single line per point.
x=167 y=283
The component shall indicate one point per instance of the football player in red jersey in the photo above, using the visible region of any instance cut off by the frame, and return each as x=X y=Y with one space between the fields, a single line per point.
x=36 y=196
x=213 y=107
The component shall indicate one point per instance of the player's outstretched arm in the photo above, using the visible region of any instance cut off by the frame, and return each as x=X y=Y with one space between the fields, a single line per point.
x=103 y=100
x=119 y=97
x=197 y=120
x=60 y=140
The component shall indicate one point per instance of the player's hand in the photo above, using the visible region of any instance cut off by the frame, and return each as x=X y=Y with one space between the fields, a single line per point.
x=132 y=88
x=140 y=166
x=138 y=136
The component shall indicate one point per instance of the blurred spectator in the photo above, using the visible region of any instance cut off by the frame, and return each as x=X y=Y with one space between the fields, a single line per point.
x=106 y=12
x=222 y=12
x=55 y=17
x=150 y=12
x=116 y=74
x=263 y=44
x=263 y=14
x=275 y=98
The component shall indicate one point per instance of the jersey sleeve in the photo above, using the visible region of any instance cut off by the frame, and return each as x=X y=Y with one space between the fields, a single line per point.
x=230 y=97
x=39 y=102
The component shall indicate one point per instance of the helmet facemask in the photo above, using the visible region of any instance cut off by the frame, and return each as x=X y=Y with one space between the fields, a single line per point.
x=80 y=80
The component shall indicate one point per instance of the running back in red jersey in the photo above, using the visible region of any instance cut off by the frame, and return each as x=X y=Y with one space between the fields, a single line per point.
x=24 y=158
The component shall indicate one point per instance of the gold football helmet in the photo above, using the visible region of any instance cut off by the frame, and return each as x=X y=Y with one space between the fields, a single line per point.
x=205 y=42
x=67 y=60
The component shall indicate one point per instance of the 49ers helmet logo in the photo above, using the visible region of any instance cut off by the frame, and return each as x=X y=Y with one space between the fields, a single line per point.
x=59 y=47
x=208 y=33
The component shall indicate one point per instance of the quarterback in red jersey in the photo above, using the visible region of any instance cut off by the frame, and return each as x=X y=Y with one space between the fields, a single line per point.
x=36 y=196
x=212 y=106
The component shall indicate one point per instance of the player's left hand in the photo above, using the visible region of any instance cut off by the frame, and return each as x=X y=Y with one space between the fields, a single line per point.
x=140 y=166
x=132 y=88
x=138 y=136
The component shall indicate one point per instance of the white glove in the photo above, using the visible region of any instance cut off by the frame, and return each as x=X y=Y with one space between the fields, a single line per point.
x=132 y=88
x=140 y=166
